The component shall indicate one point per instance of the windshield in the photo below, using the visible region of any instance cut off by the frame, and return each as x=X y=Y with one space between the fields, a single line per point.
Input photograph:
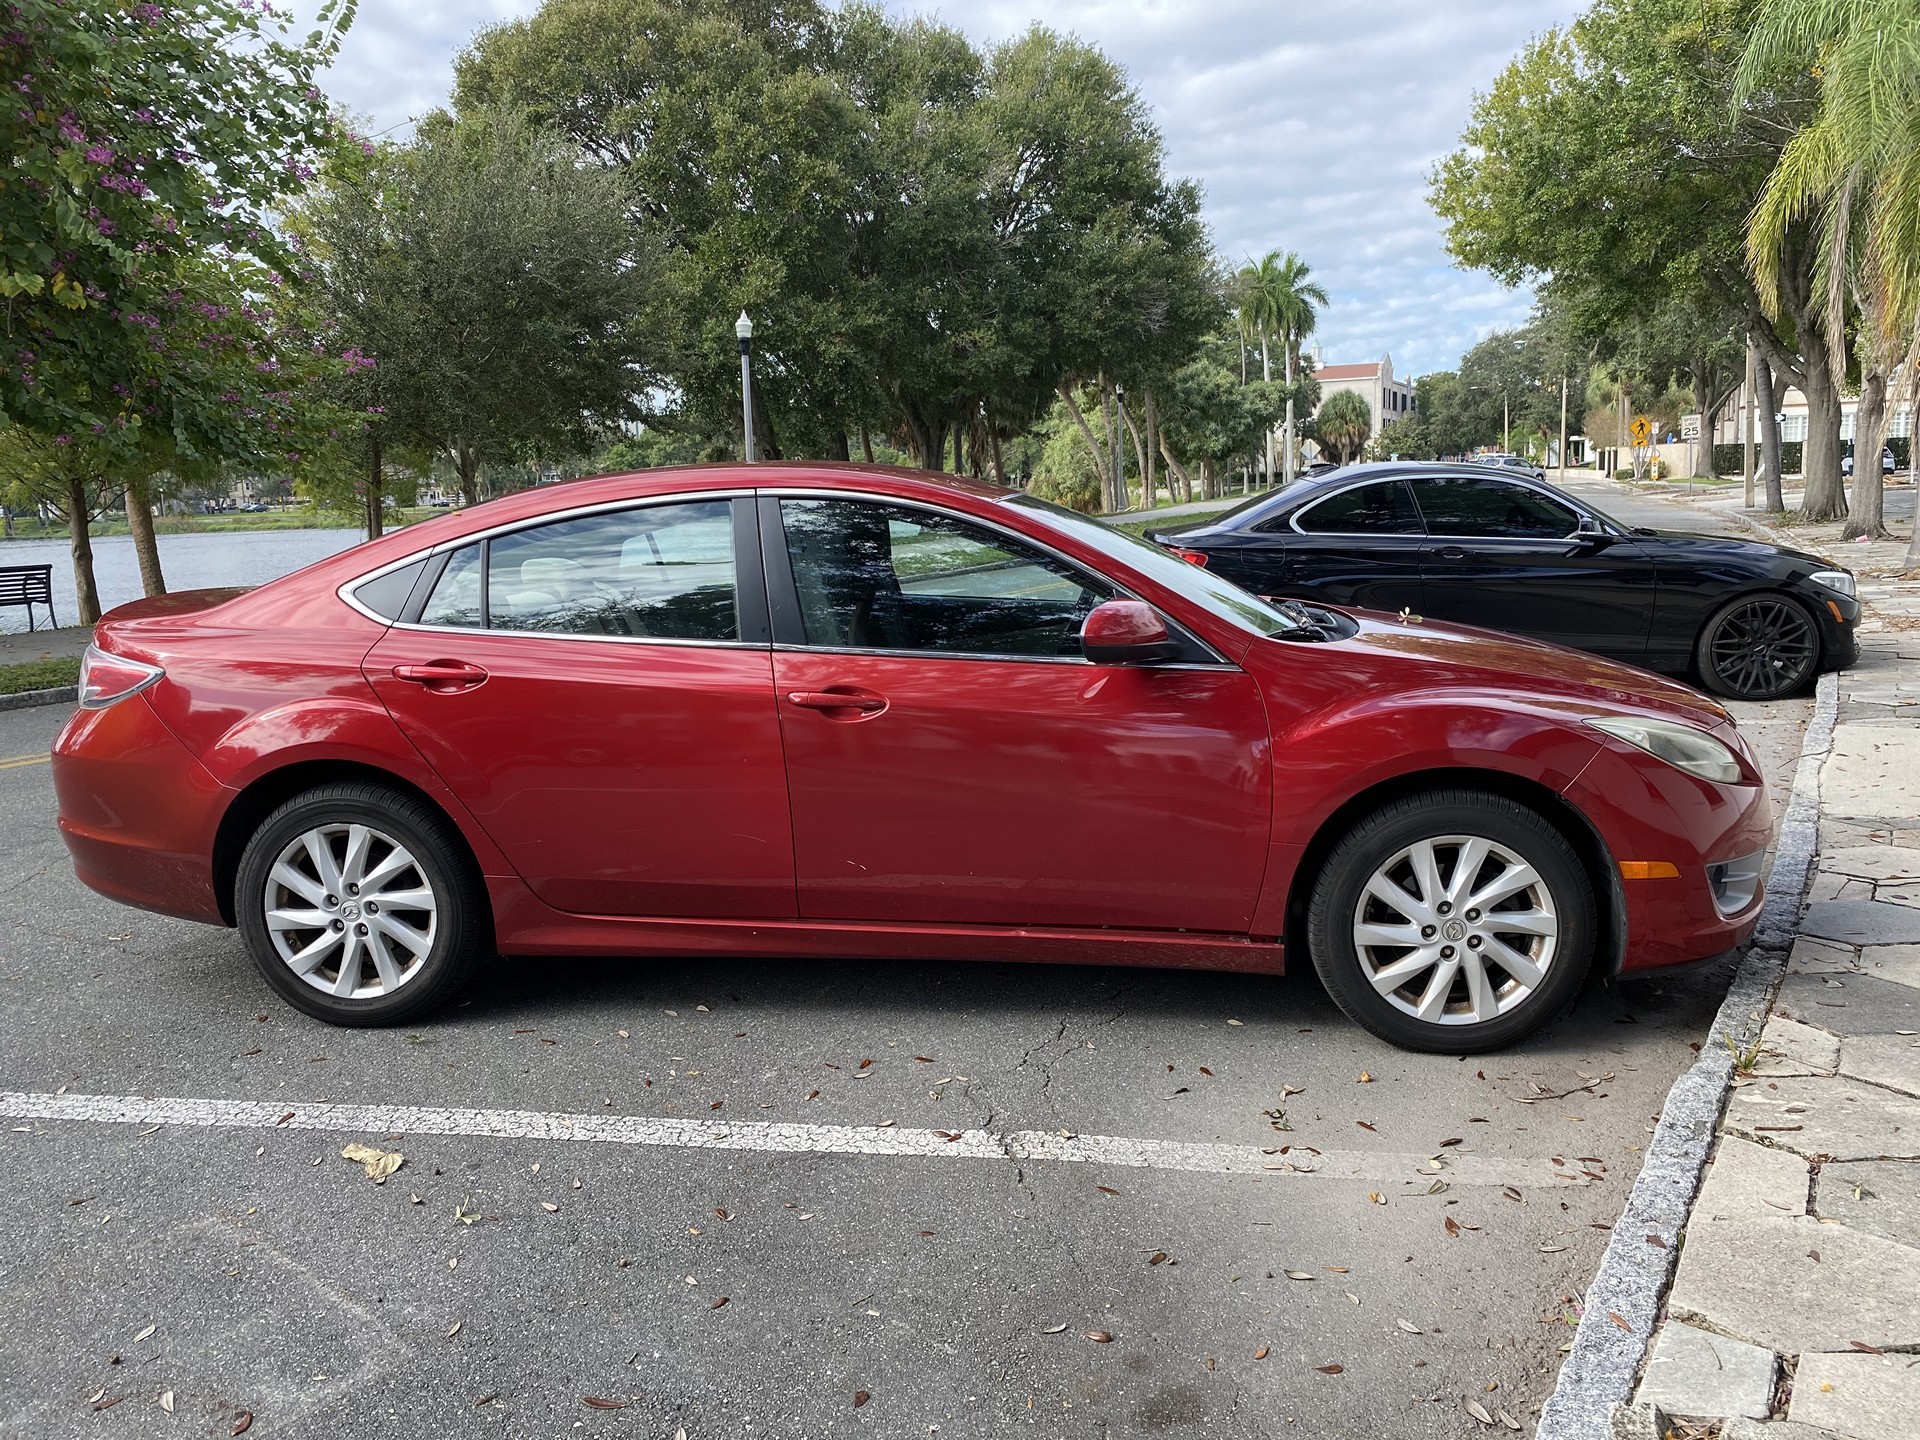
x=1218 y=597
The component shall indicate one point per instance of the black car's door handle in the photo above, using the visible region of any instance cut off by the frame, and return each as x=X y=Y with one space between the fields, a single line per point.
x=1451 y=552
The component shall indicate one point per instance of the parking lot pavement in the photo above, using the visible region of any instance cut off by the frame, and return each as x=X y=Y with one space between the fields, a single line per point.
x=737 y=1197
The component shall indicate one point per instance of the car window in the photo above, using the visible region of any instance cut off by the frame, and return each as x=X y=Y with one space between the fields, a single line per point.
x=658 y=572
x=1383 y=508
x=387 y=595
x=886 y=577
x=1463 y=505
x=456 y=596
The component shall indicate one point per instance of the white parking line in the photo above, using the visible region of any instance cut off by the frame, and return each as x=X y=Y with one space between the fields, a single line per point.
x=1411 y=1171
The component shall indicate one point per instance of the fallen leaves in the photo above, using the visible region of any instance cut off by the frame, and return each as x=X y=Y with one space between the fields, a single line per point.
x=242 y=1423
x=1331 y=1369
x=1298 y=1275
x=379 y=1164
x=1478 y=1412
x=166 y=1401
x=1262 y=1353
x=145 y=1333
x=1614 y=1316
x=1055 y=1329
x=549 y=1207
x=1409 y=1327
x=860 y=1397
x=1453 y=1227
x=602 y=1402
x=1376 y=1197
x=1099 y=1337
x=1366 y=1078
x=454 y=1329
x=718 y=1303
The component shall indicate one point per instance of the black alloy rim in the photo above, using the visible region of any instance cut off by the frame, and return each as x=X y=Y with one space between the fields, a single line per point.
x=1763 y=649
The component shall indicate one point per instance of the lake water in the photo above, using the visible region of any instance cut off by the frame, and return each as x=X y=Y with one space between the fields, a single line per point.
x=190 y=562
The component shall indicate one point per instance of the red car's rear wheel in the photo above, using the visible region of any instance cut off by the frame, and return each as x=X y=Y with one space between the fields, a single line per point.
x=360 y=905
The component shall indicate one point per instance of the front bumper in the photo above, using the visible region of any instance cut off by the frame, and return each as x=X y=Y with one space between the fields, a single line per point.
x=1838 y=618
x=1647 y=811
x=138 y=811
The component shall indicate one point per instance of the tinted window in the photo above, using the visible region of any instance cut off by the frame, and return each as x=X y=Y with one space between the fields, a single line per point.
x=662 y=572
x=885 y=577
x=1385 y=508
x=456 y=598
x=1463 y=506
x=387 y=594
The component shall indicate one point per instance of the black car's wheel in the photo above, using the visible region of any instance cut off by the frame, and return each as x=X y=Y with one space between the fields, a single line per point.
x=1453 y=921
x=1758 y=647
x=361 y=905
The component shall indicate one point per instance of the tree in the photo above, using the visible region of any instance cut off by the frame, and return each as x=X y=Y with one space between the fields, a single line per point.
x=1211 y=418
x=139 y=135
x=1611 y=158
x=491 y=279
x=1281 y=298
x=1342 y=425
x=1853 y=171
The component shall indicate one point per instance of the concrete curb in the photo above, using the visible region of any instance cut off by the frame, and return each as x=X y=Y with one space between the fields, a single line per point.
x=1624 y=1300
x=27 y=699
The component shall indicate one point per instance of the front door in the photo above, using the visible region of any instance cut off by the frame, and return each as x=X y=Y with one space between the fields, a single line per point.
x=952 y=759
x=598 y=691
x=1509 y=557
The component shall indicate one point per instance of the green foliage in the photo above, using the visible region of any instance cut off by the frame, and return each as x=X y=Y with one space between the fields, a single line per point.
x=1342 y=425
x=1066 y=473
x=1210 y=418
x=147 y=148
x=920 y=232
x=649 y=450
x=1402 y=438
x=491 y=285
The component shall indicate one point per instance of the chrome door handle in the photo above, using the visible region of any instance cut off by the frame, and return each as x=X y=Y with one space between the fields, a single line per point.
x=442 y=676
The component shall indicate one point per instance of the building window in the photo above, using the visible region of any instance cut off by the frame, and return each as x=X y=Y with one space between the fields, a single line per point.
x=1794 y=427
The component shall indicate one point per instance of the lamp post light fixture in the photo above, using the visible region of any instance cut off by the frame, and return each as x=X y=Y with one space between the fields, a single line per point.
x=743 y=327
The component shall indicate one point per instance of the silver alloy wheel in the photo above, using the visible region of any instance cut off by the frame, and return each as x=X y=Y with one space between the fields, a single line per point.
x=1456 y=930
x=350 y=911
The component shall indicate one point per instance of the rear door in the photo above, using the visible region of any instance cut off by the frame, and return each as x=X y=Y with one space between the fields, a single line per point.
x=951 y=757
x=1359 y=547
x=1509 y=556
x=598 y=691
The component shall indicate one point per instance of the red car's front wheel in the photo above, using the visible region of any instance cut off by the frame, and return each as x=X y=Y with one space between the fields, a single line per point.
x=360 y=905
x=1452 y=921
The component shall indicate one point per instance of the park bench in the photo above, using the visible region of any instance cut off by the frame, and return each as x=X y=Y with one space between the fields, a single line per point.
x=28 y=585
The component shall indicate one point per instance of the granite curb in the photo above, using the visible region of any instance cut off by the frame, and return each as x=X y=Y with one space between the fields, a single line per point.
x=27 y=699
x=1624 y=1300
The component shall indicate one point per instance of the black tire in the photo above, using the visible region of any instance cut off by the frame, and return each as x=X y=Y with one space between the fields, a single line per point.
x=1435 y=819
x=449 y=912
x=1758 y=647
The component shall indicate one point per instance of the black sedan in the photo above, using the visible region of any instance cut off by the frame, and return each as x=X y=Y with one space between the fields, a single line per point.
x=1452 y=542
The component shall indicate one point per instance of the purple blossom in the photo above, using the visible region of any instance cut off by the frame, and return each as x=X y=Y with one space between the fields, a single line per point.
x=100 y=155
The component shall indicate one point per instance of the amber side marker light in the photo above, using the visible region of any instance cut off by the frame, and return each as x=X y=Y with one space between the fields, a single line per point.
x=1839 y=619
x=1649 y=870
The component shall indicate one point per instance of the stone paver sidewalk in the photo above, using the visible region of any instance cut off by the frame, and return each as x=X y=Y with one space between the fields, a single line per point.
x=1795 y=1310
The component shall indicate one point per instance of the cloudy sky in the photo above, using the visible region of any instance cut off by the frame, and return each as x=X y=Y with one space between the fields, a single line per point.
x=1310 y=126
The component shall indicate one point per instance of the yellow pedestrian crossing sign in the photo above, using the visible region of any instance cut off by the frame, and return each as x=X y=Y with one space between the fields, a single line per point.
x=1641 y=429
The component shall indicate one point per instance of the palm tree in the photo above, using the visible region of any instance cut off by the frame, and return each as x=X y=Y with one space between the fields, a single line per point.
x=1343 y=425
x=1283 y=300
x=1854 y=172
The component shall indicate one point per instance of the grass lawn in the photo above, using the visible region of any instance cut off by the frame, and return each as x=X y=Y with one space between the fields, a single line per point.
x=302 y=519
x=1142 y=523
x=38 y=675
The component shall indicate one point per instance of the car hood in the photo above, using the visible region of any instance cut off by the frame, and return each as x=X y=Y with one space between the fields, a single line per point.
x=1461 y=656
x=1680 y=544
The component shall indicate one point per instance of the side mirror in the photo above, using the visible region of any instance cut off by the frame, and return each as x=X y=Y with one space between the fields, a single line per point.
x=1593 y=532
x=1126 y=632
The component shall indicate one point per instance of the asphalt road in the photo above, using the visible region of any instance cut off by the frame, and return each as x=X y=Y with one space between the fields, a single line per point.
x=231 y=1260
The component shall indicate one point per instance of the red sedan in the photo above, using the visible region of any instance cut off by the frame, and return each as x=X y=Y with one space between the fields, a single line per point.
x=797 y=710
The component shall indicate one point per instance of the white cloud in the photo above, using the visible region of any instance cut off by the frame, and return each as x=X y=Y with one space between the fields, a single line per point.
x=1311 y=127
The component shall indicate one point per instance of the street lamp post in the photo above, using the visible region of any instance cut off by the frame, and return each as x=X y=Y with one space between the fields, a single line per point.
x=1563 y=428
x=743 y=327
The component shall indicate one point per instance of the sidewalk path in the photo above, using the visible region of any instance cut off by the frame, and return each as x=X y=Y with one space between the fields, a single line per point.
x=1793 y=1312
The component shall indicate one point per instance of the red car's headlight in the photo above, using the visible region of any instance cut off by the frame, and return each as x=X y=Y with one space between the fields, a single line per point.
x=106 y=679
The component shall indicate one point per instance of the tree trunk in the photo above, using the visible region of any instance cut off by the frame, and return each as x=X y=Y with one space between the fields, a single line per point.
x=1175 y=469
x=866 y=442
x=766 y=444
x=1869 y=485
x=837 y=446
x=1153 y=452
x=1100 y=460
x=1209 y=480
x=145 y=547
x=79 y=526
x=376 y=491
x=993 y=443
x=1766 y=402
x=1825 y=496
x=1266 y=374
x=1140 y=456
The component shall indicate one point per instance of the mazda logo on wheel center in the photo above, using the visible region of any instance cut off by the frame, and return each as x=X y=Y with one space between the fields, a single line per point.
x=1454 y=930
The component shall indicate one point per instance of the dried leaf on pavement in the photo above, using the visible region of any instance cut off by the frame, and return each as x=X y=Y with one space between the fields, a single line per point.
x=860 y=1397
x=1099 y=1337
x=1331 y=1369
x=1054 y=1329
x=379 y=1164
x=1478 y=1412
x=166 y=1401
x=242 y=1423
x=1298 y=1275
x=601 y=1402
x=1262 y=1353
x=1453 y=1227
x=1408 y=1326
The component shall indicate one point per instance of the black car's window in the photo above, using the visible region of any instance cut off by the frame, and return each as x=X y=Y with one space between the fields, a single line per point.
x=456 y=598
x=1383 y=508
x=386 y=595
x=1463 y=505
x=885 y=577
x=660 y=572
